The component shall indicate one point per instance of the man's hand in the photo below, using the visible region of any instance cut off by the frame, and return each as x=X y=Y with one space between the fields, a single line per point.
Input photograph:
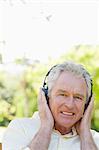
x=42 y=138
x=83 y=129
x=84 y=124
x=45 y=114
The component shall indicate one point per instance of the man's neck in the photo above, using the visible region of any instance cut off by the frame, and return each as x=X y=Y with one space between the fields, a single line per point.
x=62 y=130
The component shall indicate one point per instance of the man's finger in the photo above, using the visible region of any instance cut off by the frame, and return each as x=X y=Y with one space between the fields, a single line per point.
x=90 y=107
x=91 y=104
x=41 y=99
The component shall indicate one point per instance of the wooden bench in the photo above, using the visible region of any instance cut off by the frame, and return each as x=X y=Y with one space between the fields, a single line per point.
x=2 y=130
x=0 y=146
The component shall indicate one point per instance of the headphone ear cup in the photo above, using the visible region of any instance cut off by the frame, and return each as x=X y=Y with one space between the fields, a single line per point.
x=46 y=94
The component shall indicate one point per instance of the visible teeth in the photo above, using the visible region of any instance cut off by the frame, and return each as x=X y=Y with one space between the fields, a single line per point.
x=67 y=113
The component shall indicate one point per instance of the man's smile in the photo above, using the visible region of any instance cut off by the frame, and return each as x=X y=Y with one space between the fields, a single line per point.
x=67 y=113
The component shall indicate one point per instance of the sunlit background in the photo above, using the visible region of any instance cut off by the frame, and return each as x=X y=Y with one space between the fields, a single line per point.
x=36 y=34
x=41 y=29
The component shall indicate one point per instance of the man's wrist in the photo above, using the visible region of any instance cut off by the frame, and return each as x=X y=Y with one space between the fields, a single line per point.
x=45 y=131
x=85 y=135
x=46 y=128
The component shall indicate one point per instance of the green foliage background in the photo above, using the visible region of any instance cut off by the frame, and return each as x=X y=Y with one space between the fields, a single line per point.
x=18 y=92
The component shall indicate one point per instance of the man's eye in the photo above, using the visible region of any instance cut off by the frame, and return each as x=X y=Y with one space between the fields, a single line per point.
x=78 y=98
x=62 y=94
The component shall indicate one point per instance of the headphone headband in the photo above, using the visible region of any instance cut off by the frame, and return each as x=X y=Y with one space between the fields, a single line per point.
x=44 y=83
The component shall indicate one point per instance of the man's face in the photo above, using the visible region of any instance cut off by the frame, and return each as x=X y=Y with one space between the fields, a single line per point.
x=67 y=99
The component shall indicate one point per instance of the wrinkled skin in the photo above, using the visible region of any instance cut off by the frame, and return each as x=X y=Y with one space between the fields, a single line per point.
x=67 y=101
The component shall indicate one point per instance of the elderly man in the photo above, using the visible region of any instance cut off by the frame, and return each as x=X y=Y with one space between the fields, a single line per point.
x=64 y=118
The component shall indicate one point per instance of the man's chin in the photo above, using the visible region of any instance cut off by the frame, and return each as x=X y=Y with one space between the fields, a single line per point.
x=64 y=125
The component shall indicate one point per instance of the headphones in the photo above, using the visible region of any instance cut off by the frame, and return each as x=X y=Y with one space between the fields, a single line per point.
x=88 y=101
x=45 y=89
x=45 y=86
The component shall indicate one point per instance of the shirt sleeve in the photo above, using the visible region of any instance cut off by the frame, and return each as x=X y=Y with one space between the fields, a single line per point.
x=97 y=139
x=27 y=148
x=15 y=137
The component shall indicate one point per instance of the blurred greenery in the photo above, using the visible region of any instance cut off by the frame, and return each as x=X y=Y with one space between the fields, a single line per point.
x=19 y=90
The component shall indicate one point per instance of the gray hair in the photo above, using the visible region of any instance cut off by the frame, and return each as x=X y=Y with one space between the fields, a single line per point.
x=76 y=69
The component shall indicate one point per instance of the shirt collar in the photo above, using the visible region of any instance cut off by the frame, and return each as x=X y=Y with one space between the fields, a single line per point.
x=68 y=135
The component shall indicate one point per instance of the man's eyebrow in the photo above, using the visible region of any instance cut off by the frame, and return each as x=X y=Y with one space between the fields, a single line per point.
x=76 y=94
x=64 y=91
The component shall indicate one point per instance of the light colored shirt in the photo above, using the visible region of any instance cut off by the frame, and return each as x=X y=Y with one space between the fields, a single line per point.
x=20 y=132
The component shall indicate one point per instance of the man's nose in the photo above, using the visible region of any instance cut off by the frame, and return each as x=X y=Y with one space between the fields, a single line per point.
x=69 y=102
